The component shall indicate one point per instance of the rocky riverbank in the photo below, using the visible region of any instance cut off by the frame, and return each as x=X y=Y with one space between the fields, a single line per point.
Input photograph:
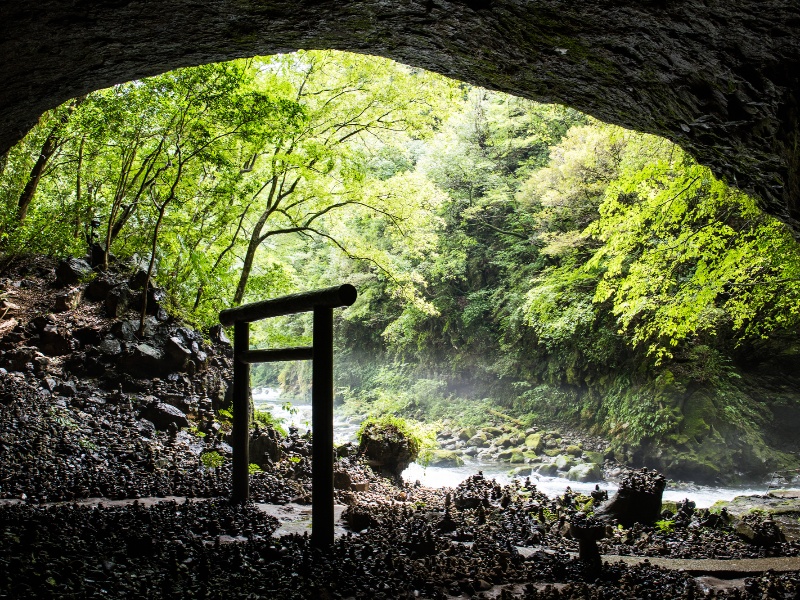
x=527 y=451
x=82 y=415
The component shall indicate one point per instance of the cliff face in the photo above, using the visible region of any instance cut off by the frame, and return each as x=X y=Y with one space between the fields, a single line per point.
x=720 y=78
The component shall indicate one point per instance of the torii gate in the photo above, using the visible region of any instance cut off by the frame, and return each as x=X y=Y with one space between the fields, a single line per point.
x=322 y=303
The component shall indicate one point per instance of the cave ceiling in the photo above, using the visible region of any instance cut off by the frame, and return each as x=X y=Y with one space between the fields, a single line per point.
x=718 y=77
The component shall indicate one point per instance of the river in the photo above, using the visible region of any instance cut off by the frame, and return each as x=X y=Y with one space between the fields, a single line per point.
x=344 y=428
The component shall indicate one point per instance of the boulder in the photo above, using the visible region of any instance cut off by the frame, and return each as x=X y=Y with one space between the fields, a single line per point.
x=99 y=288
x=467 y=433
x=387 y=448
x=593 y=457
x=97 y=254
x=217 y=335
x=504 y=441
x=124 y=330
x=638 y=499
x=155 y=296
x=68 y=300
x=478 y=440
x=118 y=300
x=505 y=454
x=342 y=480
x=517 y=457
x=56 y=341
x=573 y=450
x=492 y=432
x=547 y=469
x=177 y=353
x=87 y=336
x=188 y=404
x=521 y=472
x=764 y=533
x=200 y=359
x=534 y=442
x=564 y=462
x=441 y=458
x=138 y=279
x=162 y=415
x=265 y=447
x=110 y=347
x=585 y=472
x=144 y=361
x=17 y=358
x=145 y=428
x=68 y=389
x=71 y=271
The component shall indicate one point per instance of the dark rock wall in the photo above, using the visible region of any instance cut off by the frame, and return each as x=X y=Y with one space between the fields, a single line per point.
x=719 y=77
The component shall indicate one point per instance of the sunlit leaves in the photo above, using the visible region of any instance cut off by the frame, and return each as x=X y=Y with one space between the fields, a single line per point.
x=677 y=253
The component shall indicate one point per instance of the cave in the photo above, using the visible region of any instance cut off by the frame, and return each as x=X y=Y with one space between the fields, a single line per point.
x=718 y=78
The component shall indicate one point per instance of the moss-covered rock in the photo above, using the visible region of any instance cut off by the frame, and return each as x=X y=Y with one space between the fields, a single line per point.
x=516 y=458
x=504 y=441
x=467 y=433
x=573 y=450
x=534 y=442
x=388 y=444
x=492 y=432
x=564 y=462
x=436 y=457
x=547 y=469
x=520 y=472
x=505 y=454
x=593 y=457
x=479 y=440
x=585 y=472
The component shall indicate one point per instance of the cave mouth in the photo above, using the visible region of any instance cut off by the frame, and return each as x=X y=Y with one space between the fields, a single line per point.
x=710 y=77
x=171 y=86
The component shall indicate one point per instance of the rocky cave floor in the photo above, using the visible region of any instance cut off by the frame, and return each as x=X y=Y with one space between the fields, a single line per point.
x=92 y=409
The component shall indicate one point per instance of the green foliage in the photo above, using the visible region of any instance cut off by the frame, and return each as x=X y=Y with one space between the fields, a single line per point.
x=87 y=444
x=212 y=459
x=253 y=468
x=665 y=526
x=266 y=418
x=419 y=435
x=196 y=432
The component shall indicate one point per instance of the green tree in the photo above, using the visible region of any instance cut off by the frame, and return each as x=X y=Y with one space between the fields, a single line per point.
x=353 y=106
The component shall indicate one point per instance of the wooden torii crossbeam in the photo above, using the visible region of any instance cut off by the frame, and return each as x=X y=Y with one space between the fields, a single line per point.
x=321 y=303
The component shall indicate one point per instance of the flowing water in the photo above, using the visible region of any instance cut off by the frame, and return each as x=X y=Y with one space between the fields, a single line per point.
x=298 y=414
x=344 y=428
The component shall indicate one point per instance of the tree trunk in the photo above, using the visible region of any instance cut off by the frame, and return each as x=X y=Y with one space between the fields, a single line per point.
x=77 y=231
x=51 y=144
x=246 y=267
x=150 y=266
x=255 y=241
x=49 y=147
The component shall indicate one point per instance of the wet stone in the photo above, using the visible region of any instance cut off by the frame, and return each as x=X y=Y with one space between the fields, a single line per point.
x=71 y=271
